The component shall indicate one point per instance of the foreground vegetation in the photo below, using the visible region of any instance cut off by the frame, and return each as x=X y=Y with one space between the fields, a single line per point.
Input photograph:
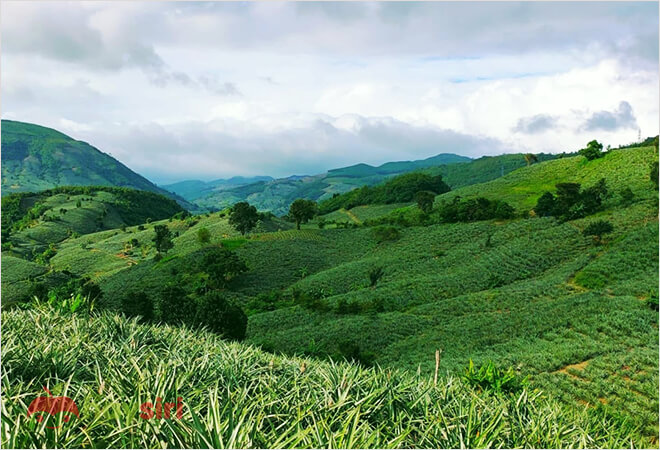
x=234 y=395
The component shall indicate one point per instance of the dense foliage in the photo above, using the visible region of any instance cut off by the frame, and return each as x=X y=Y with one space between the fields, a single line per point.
x=236 y=396
x=243 y=217
x=572 y=202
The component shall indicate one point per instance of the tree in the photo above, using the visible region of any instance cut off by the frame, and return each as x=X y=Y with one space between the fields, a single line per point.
x=530 y=158
x=163 y=238
x=302 y=211
x=243 y=217
x=425 y=201
x=655 y=144
x=598 y=229
x=203 y=235
x=593 y=150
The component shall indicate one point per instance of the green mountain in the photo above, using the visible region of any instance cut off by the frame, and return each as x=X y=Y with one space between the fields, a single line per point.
x=35 y=158
x=276 y=195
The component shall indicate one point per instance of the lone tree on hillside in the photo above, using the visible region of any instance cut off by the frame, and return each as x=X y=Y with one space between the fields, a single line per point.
x=203 y=235
x=243 y=217
x=425 y=201
x=598 y=229
x=594 y=150
x=302 y=211
x=163 y=238
x=530 y=158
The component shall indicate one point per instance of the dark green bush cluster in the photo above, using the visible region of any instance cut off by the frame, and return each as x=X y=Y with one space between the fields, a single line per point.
x=386 y=233
x=489 y=377
x=474 y=209
x=372 y=306
x=397 y=190
x=598 y=229
x=268 y=301
x=572 y=202
x=174 y=306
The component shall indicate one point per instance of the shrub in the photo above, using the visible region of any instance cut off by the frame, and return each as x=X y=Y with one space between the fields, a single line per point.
x=386 y=233
x=137 y=304
x=203 y=235
x=221 y=316
x=375 y=275
x=425 y=201
x=598 y=229
x=489 y=377
x=475 y=209
x=627 y=196
x=172 y=305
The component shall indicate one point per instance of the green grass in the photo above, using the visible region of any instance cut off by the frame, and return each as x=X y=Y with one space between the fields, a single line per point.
x=237 y=396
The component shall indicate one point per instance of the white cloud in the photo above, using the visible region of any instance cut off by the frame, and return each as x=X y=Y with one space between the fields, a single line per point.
x=219 y=89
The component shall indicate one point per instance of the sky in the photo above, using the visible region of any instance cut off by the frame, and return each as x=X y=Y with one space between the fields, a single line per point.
x=186 y=90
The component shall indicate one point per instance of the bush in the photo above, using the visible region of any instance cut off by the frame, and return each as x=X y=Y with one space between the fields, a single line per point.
x=375 y=275
x=137 y=304
x=221 y=316
x=598 y=229
x=489 y=377
x=203 y=235
x=386 y=233
x=173 y=306
x=627 y=196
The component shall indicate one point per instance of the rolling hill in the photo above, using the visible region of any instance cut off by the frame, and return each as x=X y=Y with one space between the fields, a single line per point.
x=575 y=315
x=36 y=158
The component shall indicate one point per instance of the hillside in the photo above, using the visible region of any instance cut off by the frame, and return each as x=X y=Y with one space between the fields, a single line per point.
x=577 y=316
x=33 y=221
x=36 y=158
x=235 y=396
x=276 y=195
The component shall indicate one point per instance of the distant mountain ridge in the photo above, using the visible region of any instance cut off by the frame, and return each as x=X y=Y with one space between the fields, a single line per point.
x=276 y=195
x=36 y=158
x=194 y=189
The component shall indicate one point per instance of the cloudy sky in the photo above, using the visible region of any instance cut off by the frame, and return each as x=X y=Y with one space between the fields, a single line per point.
x=209 y=90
